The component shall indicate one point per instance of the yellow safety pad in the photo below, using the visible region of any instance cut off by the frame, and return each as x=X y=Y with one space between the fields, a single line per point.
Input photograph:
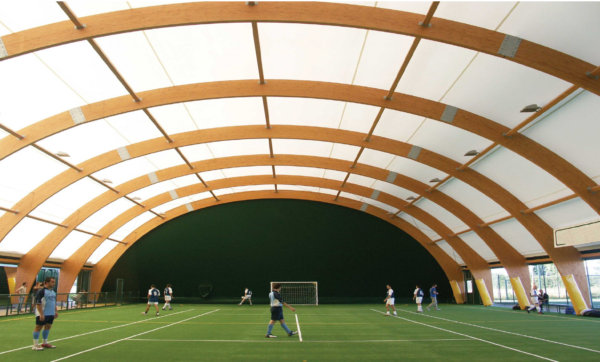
x=483 y=292
x=520 y=292
x=577 y=300
x=456 y=292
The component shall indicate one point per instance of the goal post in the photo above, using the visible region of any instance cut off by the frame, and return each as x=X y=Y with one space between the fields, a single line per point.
x=299 y=293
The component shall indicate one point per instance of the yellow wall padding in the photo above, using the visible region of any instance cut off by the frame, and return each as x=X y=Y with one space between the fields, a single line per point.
x=483 y=292
x=520 y=292
x=11 y=285
x=579 y=303
x=456 y=291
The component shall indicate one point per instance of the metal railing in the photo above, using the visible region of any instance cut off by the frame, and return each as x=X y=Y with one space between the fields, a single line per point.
x=14 y=304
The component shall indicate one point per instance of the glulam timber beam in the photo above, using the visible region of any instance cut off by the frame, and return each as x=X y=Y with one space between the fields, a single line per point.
x=530 y=54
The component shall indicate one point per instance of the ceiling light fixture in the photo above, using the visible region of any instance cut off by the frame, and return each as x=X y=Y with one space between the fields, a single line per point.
x=106 y=181
x=531 y=108
x=62 y=154
x=136 y=198
x=472 y=153
x=435 y=180
x=410 y=198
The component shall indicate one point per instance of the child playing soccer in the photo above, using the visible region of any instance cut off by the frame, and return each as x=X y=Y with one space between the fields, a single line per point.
x=277 y=304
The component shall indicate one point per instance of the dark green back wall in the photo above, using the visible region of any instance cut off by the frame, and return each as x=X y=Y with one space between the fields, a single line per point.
x=350 y=253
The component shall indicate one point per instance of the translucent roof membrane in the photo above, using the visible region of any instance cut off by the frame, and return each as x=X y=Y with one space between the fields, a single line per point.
x=27 y=234
x=69 y=245
x=480 y=247
x=101 y=252
x=106 y=214
x=451 y=252
x=518 y=237
x=130 y=226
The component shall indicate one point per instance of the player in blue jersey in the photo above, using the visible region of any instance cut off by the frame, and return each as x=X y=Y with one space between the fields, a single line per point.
x=418 y=296
x=247 y=296
x=433 y=293
x=277 y=304
x=168 y=297
x=390 y=300
x=45 y=313
x=153 y=295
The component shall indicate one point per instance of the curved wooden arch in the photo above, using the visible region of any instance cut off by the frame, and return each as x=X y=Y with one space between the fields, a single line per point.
x=530 y=54
x=450 y=267
x=550 y=162
x=73 y=265
x=567 y=260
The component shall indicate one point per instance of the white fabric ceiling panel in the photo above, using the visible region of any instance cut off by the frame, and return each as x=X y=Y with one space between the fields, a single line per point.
x=184 y=181
x=301 y=147
x=4 y=31
x=516 y=235
x=519 y=176
x=88 y=8
x=153 y=190
x=69 y=199
x=419 y=225
x=398 y=126
x=130 y=226
x=352 y=197
x=10 y=196
x=174 y=118
x=480 y=247
x=328 y=191
x=225 y=191
x=498 y=89
x=568 y=213
x=484 y=14
x=196 y=153
x=25 y=236
x=172 y=204
x=127 y=170
x=133 y=56
x=207 y=52
x=376 y=158
x=448 y=141
x=43 y=13
x=304 y=112
x=381 y=205
x=289 y=51
x=69 y=245
x=85 y=141
x=335 y=175
x=297 y=188
x=254 y=188
x=27 y=169
x=415 y=169
x=418 y=7
x=381 y=59
x=83 y=70
x=106 y=214
x=240 y=147
x=212 y=175
x=227 y=112
x=101 y=252
x=481 y=205
x=572 y=132
x=443 y=215
x=361 y=180
x=341 y=151
x=134 y=126
x=550 y=197
x=165 y=159
x=392 y=189
x=448 y=249
x=299 y=171
x=201 y=196
x=433 y=69
x=30 y=92
x=578 y=26
x=359 y=117
x=143 y=4
x=248 y=171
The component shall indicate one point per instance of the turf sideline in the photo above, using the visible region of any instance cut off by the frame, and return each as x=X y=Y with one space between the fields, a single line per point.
x=135 y=335
x=268 y=341
x=100 y=330
x=466 y=335
x=299 y=332
x=501 y=331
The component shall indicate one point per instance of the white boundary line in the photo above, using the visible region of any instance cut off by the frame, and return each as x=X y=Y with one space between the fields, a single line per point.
x=501 y=331
x=267 y=341
x=299 y=332
x=466 y=335
x=135 y=335
x=101 y=330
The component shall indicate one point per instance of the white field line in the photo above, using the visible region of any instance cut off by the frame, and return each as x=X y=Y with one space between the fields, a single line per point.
x=299 y=332
x=269 y=341
x=466 y=335
x=135 y=335
x=501 y=331
x=100 y=330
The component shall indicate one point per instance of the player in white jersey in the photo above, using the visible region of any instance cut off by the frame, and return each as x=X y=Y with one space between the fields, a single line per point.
x=168 y=297
x=247 y=296
x=390 y=300
x=535 y=301
x=418 y=296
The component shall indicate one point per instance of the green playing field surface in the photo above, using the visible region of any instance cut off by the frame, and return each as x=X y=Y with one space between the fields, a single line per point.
x=328 y=333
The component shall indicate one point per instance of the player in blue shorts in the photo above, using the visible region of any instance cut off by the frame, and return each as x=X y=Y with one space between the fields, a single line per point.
x=247 y=296
x=153 y=295
x=277 y=304
x=45 y=313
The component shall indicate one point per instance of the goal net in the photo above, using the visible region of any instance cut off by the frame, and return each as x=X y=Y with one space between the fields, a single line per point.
x=299 y=293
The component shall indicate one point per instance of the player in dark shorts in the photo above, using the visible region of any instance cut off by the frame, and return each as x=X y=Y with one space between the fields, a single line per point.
x=277 y=304
x=45 y=313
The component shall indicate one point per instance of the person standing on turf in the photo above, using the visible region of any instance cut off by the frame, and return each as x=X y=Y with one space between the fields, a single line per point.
x=390 y=300
x=418 y=296
x=534 y=299
x=45 y=313
x=247 y=295
x=433 y=294
x=168 y=297
x=277 y=304
x=153 y=295
x=22 y=291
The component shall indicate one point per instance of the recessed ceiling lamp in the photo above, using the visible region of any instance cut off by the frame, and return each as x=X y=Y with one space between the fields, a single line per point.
x=62 y=154
x=136 y=198
x=410 y=198
x=106 y=181
x=472 y=153
x=435 y=180
x=531 y=108
x=162 y=214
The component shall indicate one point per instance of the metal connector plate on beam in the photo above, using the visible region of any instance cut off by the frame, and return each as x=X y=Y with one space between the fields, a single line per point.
x=123 y=153
x=3 y=52
x=189 y=207
x=77 y=115
x=449 y=113
x=414 y=152
x=391 y=177
x=153 y=178
x=364 y=206
x=173 y=194
x=375 y=194
x=509 y=46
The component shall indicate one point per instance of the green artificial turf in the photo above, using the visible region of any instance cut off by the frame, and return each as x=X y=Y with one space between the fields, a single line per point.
x=329 y=333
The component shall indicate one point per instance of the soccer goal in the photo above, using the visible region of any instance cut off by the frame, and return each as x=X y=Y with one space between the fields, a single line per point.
x=299 y=293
